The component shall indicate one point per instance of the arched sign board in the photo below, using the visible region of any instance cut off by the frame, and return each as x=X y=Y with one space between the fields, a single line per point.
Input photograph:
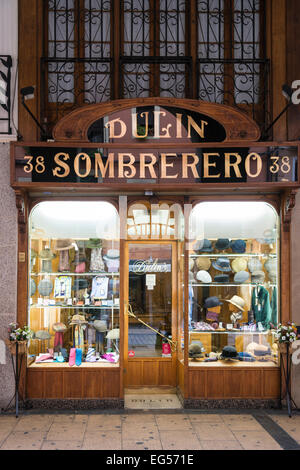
x=155 y=143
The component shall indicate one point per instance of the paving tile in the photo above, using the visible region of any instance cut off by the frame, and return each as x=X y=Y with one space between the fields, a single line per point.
x=212 y=431
x=104 y=422
x=254 y=440
x=139 y=418
x=205 y=418
x=242 y=423
x=141 y=444
x=34 y=423
x=8 y=422
x=221 y=445
x=177 y=440
x=132 y=431
x=24 y=441
x=4 y=435
x=290 y=425
x=66 y=432
x=110 y=440
x=173 y=422
x=61 y=445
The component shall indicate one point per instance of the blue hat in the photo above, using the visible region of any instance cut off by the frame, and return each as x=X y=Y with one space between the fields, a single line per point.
x=221 y=278
x=222 y=244
x=241 y=276
x=212 y=302
x=238 y=246
x=222 y=264
x=203 y=245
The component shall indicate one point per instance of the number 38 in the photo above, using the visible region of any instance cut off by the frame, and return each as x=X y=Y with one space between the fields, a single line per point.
x=284 y=165
x=39 y=165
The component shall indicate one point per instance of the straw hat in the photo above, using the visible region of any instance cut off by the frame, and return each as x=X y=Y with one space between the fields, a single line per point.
x=78 y=320
x=239 y=264
x=60 y=327
x=63 y=244
x=237 y=301
x=46 y=254
x=42 y=335
x=203 y=263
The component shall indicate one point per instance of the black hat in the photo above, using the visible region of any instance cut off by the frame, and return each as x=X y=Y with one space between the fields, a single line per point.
x=229 y=352
x=221 y=278
x=212 y=302
x=222 y=244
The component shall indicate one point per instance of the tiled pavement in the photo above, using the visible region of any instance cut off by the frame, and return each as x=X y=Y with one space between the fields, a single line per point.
x=167 y=430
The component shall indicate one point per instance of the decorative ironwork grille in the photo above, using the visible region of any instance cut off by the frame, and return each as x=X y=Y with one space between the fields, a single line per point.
x=5 y=94
x=212 y=50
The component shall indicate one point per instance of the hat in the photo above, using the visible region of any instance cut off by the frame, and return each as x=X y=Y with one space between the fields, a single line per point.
x=42 y=335
x=241 y=277
x=272 y=276
x=63 y=244
x=237 y=301
x=254 y=265
x=78 y=320
x=258 y=276
x=196 y=349
x=47 y=254
x=239 y=264
x=191 y=276
x=32 y=287
x=45 y=287
x=94 y=243
x=212 y=302
x=203 y=276
x=100 y=325
x=222 y=244
x=203 y=263
x=80 y=283
x=191 y=264
x=238 y=246
x=59 y=327
x=222 y=264
x=203 y=245
x=229 y=352
x=113 y=254
x=261 y=350
x=271 y=265
x=221 y=278
x=113 y=334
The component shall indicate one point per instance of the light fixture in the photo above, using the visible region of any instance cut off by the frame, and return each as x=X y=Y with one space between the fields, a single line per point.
x=287 y=93
x=27 y=93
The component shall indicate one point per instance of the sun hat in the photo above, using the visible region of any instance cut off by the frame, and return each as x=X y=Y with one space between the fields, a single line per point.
x=32 y=287
x=60 y=327
x=113 y=334
x=241 y=277
x=196 y=349
x=254 y=265
x=203 y=276
x=100 y=325
x=212 y=302
x=258 y=276
x=191 y=264
x=222 y=264
x=46 y=254
x=78 y=320
x=222 y=244
x=239 y=264
x=237 y=301
x=203 y=245
x=42 y=335
x=229 y=352
x=63 y=244
x=238 y=246
x=80 y=283
x=45 y=287
x=221 y=278
x=94 y=243
x=203 y=263
x=271 y=265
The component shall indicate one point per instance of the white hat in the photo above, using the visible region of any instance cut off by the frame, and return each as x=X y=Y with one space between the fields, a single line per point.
x=271 y=265
x=254 y=265
x=203 y=276
x=239 y=264
x=237 y=301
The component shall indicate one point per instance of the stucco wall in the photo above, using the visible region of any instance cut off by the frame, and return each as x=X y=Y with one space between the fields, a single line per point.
x=8 y=270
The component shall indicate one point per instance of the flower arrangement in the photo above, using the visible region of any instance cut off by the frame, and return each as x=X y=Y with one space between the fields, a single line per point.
x=19 y=334
x=286 y=334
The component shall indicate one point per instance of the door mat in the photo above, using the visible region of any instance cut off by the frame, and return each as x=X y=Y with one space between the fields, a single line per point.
x=152 y=402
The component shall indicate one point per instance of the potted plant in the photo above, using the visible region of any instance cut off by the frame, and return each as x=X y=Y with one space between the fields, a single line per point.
x=18 y=336
x=285 y=335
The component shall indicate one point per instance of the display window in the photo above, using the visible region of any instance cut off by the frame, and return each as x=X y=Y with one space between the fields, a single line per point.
x=74 y=288
x=233 y=287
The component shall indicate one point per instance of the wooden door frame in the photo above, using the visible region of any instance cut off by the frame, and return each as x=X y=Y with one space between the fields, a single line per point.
x=174 y=271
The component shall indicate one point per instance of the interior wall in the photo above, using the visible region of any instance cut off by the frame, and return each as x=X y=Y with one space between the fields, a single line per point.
x=8 y=271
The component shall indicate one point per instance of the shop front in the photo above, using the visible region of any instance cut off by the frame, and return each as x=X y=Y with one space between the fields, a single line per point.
x=154 y=252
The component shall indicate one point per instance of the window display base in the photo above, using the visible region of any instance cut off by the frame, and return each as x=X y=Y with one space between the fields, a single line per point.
x=232 y=403
x=73 y=404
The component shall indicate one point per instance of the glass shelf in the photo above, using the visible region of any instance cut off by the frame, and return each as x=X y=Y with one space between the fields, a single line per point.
x=233 y=255
x=75 y=306
x=237 y=332
x=74 y=274
x=220 y=284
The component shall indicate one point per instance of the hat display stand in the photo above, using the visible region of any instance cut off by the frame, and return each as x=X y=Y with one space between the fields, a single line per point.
x=286 y=366
x=18 y=351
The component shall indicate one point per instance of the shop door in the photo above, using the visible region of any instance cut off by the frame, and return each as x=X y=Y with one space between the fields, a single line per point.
x=150 y=314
